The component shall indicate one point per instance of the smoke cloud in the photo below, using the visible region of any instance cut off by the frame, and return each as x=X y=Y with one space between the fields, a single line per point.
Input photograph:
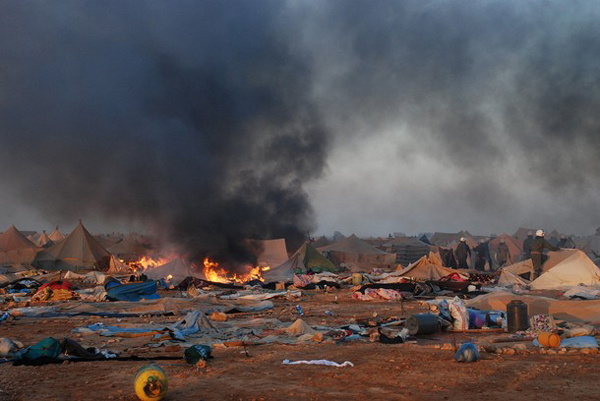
x=193 y=119
x=216 y=121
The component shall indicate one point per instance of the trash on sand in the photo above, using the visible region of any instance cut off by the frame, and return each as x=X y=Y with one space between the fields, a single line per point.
x=574 y=342
x=196 y=353
x=323 y=362
x=467 y=353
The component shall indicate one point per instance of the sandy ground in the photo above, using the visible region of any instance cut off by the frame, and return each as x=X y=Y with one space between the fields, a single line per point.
x=419 y=371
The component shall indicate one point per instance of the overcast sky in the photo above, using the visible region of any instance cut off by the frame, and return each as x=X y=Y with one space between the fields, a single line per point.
x=358 y=116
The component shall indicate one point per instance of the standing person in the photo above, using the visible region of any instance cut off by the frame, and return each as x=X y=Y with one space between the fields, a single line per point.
x=503 y=254
x=483 y=255
x=527 y=245
x=462 y=253
x=537 y=253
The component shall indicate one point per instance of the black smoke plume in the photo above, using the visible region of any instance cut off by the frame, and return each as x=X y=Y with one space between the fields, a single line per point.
x=191 y=118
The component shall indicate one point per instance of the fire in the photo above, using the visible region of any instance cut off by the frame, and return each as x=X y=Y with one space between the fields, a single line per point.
x=147 y=262
x=213 y=272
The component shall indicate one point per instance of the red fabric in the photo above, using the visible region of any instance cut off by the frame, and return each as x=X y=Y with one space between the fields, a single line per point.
x=57 y=285
x=452 y=277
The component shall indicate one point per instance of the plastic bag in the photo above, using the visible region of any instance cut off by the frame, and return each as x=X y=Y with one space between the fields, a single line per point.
x=468 y=352
x=459 y=314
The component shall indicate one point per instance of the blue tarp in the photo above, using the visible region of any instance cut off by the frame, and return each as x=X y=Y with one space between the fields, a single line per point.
x=132 y=292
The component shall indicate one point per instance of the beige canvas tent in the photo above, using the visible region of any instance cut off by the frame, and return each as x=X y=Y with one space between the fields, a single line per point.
x=273 y=252
x=285 y=272
x=44 y=240
x=78 y=251
x=15 y=248
x=566 y=268
x=132 y=245
x=521 y=234
x=56 y=235
x=449 y=239
x=12 y=239
x=357 y=255
x=514 y=248
x=511 y=274
x=428 y=268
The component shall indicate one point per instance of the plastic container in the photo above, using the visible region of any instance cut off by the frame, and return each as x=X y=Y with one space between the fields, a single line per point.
x=357 y=278
x=425 y=323
x=548 y=339
x=150 y=383
x=517 y=318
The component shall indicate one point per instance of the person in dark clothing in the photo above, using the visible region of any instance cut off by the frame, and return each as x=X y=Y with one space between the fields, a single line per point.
x=503 y=254
x=527 y=246
x=483 y=255
x=565 y=242
x=448 y=258
x=462 y=253
x=537 y=253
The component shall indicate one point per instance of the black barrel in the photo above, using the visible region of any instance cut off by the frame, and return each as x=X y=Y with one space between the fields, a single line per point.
x=426 y=323
x=517 y=319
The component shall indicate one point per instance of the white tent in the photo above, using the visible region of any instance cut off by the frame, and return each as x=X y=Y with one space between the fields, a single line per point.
x=176 y=268
x=566 y=268
x=511 y=274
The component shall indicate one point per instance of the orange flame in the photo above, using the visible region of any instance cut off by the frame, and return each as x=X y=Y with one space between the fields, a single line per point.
x=147 y=262
x=217 y=274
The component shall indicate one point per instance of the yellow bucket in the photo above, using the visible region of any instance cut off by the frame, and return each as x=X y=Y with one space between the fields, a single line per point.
x=357 y=278
x=548 y=339
x=150 y=383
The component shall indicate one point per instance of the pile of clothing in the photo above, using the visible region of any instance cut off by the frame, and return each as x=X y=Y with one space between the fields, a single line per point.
x=60 y=290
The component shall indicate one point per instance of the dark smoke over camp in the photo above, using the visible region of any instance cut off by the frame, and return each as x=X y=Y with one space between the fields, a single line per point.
x=211 y=122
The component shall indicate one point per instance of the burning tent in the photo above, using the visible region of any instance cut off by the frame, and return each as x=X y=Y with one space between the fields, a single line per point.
x=116 y=266
x=78 y=251
x=357 y=255
x=174 y=271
